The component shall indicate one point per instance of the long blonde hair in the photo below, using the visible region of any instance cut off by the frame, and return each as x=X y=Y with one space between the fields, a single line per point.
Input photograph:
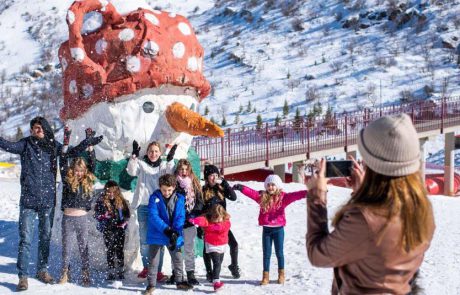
x=268 y=201
x=402 y=197
x=86 y=182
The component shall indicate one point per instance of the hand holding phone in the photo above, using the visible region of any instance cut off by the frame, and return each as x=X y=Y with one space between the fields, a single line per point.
x=340 y=168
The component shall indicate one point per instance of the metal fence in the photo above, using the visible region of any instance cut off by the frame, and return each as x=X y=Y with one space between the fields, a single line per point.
x=252 y=144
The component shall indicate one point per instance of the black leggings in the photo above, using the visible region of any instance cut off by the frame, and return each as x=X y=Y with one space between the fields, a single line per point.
x=114 y=239
x=233 y=253
x=217 y=259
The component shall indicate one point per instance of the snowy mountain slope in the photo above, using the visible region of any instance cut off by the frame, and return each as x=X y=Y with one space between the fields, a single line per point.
x=263 y=52
x=438 y=272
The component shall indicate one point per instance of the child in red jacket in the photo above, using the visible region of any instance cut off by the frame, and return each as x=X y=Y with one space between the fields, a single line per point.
x=272 y=217
x=216 y=224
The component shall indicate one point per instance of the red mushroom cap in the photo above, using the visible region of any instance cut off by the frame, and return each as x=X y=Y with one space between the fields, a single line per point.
x=144 y=49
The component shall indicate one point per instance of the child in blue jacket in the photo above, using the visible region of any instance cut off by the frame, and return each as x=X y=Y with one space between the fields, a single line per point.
x=165 y=228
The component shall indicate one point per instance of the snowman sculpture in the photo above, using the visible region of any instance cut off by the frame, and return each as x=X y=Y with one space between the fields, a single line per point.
x=139 y=76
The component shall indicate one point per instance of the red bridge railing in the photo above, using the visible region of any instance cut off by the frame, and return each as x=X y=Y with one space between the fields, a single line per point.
x=248 y=145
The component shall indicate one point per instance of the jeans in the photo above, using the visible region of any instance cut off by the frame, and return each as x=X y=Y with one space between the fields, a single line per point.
x=26 y=233
x=273 y=235
x=142 y=217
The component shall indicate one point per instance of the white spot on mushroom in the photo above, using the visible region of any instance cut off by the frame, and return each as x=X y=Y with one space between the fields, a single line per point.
x=151 y=48
x=200 y=64
x=126 y=35
x=101 y=46
x=64 y=63
x=77 y=53
x=73 y=87
x=178 y=50
x=156 y=11
x=133 y=64
x=104 y=3
x=192 y=64
x=70 y=17
x=172 y=14
x=153 y=19
x=184 y=28
x=87 y=90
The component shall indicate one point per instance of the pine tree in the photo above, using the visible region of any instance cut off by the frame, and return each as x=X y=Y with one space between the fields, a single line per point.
x=259 y=122
x=249 y=107
x=224 y=121
x=277 y=120
x=288 y=76
x=206 y=111
x=237 y=119
x=285 y=109
x=240 y=110
x=254 y=110
x=212 y=120
x=19 y=134
x=297 y=119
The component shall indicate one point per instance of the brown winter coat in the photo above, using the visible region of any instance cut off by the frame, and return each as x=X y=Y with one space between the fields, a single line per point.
x=361 y=264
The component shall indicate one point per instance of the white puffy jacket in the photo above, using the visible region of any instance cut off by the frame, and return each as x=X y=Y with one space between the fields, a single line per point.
x=147 y=179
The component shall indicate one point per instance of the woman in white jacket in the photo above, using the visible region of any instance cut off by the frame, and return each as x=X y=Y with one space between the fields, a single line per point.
x=148 y=170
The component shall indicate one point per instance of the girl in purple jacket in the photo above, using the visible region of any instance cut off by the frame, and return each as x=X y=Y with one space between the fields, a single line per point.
x=272 y=217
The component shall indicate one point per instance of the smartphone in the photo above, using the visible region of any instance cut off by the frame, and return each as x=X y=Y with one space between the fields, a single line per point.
x=338 y=168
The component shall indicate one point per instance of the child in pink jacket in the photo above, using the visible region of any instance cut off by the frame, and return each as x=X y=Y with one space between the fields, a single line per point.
x=272 y=217
x=216 y=224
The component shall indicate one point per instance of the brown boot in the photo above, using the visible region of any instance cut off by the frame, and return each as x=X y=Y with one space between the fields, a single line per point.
x=22 y=285
x=44 y=277
x=265 y=278
x=65 y=276
x=85 y=278
x=149 y=290
x=281 y=277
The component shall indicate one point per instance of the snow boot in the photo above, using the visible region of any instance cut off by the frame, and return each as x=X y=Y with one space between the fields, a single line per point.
x=265 y=278
x=143 y=274
x=185 y=286
x=191 y=278
x=235 y=270
x=171 y=280
x=65 y=276
x=22 y=285
x=44 y=277
x=281 y=277
x=149 y=290
x=218 y=286
x=85 y=278
x=111 y=275
x=161 y=277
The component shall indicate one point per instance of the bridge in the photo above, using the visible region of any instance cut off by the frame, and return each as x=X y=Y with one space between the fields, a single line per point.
x=296 y=140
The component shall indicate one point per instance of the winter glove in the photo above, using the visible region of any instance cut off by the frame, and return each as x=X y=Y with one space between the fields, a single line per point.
x=122 y=224
x=95 y=140
x=105 y=216
x=238 y=187
x=89 y=133
x=136 y=149
x=200 y=232
x=67 y=133
x=173 y=241
x=171 y=153
x=169 y=232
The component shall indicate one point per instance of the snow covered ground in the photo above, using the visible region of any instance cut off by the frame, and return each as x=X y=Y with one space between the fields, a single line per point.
x=439 y=272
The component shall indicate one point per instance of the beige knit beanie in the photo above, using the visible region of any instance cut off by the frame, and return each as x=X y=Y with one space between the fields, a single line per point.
x=390 y=146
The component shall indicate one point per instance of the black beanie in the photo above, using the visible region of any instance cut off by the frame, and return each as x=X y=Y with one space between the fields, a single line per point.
x=210 y=169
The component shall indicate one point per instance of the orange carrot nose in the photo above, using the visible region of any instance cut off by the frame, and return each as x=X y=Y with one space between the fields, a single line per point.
x=182 y=119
